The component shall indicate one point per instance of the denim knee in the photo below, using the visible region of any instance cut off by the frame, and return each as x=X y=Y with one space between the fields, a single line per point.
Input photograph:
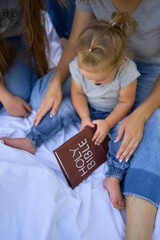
x=48 y=126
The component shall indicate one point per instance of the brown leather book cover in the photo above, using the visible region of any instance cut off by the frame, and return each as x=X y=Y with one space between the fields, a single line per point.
x=79 y=156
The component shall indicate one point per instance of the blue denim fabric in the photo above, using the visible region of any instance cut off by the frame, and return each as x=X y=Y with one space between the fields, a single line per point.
x=41 y=87
x=61 y=17
x=143 y=176
x=115 y=168
x=48 y=126
x=19 y=79
x=65 y=116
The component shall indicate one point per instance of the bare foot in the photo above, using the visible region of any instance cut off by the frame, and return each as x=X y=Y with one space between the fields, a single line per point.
x=112 y=184
x=20 y=143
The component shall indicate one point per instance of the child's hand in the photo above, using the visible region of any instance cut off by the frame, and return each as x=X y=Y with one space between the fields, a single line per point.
x=86 y=122
x=101 y=132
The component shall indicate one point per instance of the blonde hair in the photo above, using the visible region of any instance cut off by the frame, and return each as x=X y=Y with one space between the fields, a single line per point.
x=103 y=44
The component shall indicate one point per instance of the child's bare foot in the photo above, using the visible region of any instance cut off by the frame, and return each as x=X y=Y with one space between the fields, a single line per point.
x=112 y=184
x=20 y=143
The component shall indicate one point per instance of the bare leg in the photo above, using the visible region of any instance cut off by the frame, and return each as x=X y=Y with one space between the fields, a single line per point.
x=140 y=218
x=20 y=143
x=112 y=185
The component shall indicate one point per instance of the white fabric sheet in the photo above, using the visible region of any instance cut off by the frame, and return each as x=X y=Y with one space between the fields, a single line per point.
x=36 y=202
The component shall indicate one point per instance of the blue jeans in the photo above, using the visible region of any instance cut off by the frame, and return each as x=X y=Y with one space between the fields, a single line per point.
x=65 y=116
x=19 y=79
x=49 y=126
x=143 y=176
x=115 y=168
x=61 y=17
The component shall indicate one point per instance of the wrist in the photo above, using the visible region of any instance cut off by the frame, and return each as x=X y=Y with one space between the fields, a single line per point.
x=142 y=113
x=56 y=79
x=4 y=94
x=108 y=122
x=85 y=118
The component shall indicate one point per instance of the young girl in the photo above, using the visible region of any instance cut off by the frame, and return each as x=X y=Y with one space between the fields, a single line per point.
x=103 y=89
x=103 y=92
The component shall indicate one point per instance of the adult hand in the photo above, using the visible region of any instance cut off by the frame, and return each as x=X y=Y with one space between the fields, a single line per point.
x=132 y=128
x=86 y=121
x=51 y=100
x=101 y=132
x=16 y=106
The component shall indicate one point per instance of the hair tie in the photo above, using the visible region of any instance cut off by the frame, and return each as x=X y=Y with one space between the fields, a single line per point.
x=113 y=23
x=90 y=50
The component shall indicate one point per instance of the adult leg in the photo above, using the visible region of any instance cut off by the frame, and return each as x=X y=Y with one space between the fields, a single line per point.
x=20 y=78
x=142 y=180
x=140 y=218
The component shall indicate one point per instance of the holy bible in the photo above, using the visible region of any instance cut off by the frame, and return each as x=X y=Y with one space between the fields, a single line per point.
x=79 y=156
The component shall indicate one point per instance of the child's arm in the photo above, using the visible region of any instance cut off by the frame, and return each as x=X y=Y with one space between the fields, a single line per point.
x=126 y=101
x=80 y=103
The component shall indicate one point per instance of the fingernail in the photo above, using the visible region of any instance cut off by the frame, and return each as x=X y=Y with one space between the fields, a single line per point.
x=115 y=140
x=35 y=124
x=120 y=160
x=51 y=115
x=117 y=157
x=126 y=160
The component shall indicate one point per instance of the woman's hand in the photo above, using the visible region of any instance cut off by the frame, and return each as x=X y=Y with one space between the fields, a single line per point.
x=51 y=100
x=86 y=121
x=16 y=106
x=132 y=129
x=101 y=132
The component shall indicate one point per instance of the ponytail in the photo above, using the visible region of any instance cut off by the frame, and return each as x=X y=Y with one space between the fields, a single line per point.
x=104 y=43
x=124 y=24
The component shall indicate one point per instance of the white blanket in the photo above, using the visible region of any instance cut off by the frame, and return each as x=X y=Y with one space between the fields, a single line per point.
x=36 y=202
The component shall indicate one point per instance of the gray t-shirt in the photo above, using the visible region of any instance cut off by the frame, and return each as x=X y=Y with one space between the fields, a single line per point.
x=11 y=21
x=145 y=43
x=104 y=97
